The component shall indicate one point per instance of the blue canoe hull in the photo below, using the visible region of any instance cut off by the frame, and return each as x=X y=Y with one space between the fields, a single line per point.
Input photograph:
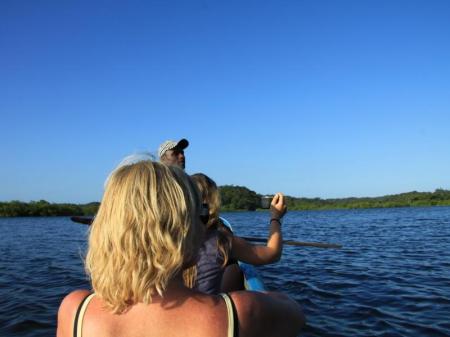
x=252 y=279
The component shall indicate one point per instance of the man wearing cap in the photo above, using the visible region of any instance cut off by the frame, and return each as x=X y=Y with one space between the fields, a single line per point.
x=172 y=153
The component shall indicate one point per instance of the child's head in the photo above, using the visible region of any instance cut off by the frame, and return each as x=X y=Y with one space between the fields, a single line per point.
x=210 y=195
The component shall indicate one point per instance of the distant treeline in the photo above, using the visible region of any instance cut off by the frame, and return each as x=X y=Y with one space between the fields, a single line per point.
x=439 y=197
x=44 y=208
x=241 y=198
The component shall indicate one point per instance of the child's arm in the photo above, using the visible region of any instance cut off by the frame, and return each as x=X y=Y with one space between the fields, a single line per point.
x=271 y=252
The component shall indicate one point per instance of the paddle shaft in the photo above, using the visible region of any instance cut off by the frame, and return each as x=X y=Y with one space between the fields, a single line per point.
x=296 y=243
x=88 y=221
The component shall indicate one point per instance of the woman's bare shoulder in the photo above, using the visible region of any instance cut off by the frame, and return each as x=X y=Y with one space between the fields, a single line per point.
x=271 y=314
x=67 y=311
x=73 y=300
x=248 y=302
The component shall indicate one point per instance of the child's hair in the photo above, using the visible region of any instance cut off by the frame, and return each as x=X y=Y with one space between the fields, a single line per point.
x=210 y=195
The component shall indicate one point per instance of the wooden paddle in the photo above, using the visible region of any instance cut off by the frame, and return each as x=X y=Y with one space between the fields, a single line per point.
x=297 y=243
x=88 y=220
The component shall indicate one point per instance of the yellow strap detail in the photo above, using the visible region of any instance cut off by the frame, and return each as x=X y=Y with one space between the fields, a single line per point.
x=82 y=311
x=230 y=315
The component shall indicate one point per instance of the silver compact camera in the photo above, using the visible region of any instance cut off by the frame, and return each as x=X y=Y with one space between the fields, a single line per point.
x=265 y=201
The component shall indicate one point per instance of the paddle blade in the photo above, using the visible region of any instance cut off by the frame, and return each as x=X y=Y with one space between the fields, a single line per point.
x=82 y=219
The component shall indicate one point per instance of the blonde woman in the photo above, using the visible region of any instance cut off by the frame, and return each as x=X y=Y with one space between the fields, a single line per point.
x=221 y=249
x=146 y=232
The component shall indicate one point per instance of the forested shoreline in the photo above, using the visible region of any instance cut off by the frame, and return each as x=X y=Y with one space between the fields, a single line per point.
x=236 y=198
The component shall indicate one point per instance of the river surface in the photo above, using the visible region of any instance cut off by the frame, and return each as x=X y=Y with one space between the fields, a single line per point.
x=391 y=278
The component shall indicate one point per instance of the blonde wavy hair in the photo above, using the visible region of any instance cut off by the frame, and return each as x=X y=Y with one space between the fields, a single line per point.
x=210 y=195
x=145 y=232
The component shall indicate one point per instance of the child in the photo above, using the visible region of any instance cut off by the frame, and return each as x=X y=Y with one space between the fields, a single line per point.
x=221 y=248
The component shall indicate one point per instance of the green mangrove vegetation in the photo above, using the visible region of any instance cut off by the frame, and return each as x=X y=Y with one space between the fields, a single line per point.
x=439 y=197
x=241 y=198
x=236 y=198
x=44 y=208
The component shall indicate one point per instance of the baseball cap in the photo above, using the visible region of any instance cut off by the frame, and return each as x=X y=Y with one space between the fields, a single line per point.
x=171 y=144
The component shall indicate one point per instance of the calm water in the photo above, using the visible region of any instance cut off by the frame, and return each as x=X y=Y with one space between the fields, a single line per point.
x=392 y=278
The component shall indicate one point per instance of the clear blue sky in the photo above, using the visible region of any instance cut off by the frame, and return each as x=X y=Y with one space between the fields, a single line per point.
x=312 y=98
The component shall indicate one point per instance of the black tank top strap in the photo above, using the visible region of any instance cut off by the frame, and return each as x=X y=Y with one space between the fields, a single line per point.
x=233 y=321
x=235 y=318
x=80 y=314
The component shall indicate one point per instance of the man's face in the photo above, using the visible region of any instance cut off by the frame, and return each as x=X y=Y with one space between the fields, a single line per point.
x=174 y=157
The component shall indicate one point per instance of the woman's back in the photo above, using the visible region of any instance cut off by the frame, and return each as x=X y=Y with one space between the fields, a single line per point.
x=186 y=313
x=176 y=315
